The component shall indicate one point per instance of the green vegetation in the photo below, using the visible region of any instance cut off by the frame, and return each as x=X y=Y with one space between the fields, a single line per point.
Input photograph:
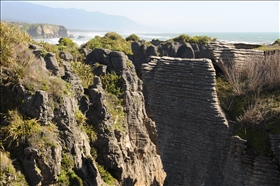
x=15 y=56
x=67 y=175
x=275 y=46
x=8 y=174
x=111 y=41
x=277 y=42
x=19 y=129
x=67 y=45
x=112 y=83
x=132 y=37
x=47 y=47
x=116 y=110
x=84 y=72
x=80 y=117
x=19 y=66
x=268 y=47
x=67 y=163
x=47 y=138
x=106 y=176
x=67 y=178
x=250 y=96
x=11 y=36
x=203 y=40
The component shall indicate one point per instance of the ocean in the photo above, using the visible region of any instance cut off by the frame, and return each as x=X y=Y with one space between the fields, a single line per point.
x=265 y=38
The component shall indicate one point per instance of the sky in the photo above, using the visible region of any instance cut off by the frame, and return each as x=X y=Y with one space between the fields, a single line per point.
x=202 y=16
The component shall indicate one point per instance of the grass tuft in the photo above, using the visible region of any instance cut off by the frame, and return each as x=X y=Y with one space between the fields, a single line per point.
x=250 y=95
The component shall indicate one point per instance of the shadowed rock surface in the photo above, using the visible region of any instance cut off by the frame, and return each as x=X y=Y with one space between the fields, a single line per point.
x=194 y=138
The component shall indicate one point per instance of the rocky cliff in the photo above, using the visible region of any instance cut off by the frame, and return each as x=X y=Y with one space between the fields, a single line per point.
x=76 y=138
x=43 y=30
x=126 y=142
x=63 y=125
x=47 y=31
x=195 y=139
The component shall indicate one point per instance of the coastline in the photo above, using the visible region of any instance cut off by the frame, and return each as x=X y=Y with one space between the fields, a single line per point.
x=260 y=38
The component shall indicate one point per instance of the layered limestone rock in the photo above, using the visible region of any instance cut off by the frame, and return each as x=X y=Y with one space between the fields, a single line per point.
x=234 y=53
x=217 y=51
x=194 y=139
x=127 y=149
x=72 y=131
x=60 y=137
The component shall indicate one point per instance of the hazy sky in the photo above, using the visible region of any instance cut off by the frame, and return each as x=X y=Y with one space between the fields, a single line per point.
x=178 y=16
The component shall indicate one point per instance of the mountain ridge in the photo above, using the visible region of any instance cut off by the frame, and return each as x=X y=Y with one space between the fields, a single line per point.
x=71 y=18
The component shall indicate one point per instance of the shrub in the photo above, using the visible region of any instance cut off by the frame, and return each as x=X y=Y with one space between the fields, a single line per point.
x=67 y=45
x=203 y=40
x=90 y=132
x=67 y=178
x=11 y=36
x=111 y=41
x=67 y=42
x=19 y=68
x=182 y=38
x=277 y=42
x=106 y=176
x=116 y=110
x=132 y=37
x=80 y=117
x=67 y=175
x=8 y=174
x=19 y=129
x=113 y=36
x=15 y=56
x=250 y=96
x=84 y=72
x=63 y=179
x=67 y=163
x=74 y=179
x=112 y=83
x=253 y=76
x=45 y=140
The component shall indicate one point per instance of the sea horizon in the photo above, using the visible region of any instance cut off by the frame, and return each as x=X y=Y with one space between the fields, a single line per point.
x=262 y=38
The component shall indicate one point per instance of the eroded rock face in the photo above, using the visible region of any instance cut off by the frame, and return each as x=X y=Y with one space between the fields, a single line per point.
x=194 y=138
x=127 y=152
x=37 y=106
x=51 y=63
x=47 y=31
x=233 y=53
x=217 y=51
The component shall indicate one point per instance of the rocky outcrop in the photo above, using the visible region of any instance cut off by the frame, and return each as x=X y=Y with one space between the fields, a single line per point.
x=66 y=56
x=125 y=148
x=233 y=53
x=51 y=63
x=47 y=31
x=217 y=51
x=194 y=139
x=43 y=158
